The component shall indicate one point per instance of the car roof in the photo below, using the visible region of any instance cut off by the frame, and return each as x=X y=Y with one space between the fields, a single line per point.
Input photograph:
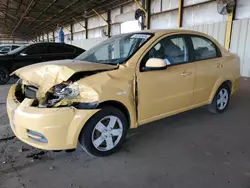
x=10 y=45
x=168 y=31
x=57 y=43
x=51 y=43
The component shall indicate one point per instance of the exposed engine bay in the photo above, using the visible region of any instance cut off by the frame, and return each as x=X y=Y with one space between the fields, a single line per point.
x=67 y=93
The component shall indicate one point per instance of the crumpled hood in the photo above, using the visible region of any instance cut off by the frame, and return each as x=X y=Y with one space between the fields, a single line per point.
x=46 y=75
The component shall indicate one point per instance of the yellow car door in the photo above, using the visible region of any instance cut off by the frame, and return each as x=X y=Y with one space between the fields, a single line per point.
x=165 y=92
x=209 y=66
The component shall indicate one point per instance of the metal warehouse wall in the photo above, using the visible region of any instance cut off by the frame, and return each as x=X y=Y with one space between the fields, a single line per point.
x=216 y=30
x=200 y=15
x=240 y=44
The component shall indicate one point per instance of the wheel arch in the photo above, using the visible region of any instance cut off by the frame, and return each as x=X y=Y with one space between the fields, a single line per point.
x=119 y=105
x=227 y=81
x=116 y=104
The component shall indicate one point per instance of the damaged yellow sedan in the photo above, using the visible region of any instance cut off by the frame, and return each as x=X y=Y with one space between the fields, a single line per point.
x=124 y=82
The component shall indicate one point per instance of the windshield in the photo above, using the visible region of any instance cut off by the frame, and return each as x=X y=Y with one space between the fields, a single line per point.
x=17 y=50
x=116 y=50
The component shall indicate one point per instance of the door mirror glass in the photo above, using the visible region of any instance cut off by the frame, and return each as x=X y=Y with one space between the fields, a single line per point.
x=155 y=64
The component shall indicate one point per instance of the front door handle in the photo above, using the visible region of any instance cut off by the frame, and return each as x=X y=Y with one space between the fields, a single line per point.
x=186 y=73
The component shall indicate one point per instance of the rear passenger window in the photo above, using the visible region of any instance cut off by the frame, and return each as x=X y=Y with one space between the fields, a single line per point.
x=35 y=50
x=204 y=48
x=60 y=49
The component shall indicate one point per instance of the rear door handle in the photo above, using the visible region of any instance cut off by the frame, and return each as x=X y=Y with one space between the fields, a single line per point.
x=186 y=73
x=219 y=66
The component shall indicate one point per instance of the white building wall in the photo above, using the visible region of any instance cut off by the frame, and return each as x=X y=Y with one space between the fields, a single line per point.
x=216 y=30
x=242 y=9
x=202 y=14
x=169 y=5
x=88 y=43
x=240 y=44
x=165 y=20
x=193 y=2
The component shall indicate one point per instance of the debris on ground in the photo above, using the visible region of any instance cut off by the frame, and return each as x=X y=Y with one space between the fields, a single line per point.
x=37 y=155
x=7 y=138
x=51 y=168
x=4 y=162
x=23 y=150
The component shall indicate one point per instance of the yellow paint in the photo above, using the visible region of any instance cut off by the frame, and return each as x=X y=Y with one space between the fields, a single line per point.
x=229 y=30
x=145 y=12
x=180 y=11
x=160 y=93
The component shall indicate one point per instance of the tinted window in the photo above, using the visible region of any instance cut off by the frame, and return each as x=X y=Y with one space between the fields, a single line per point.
x=5 y=49
x=173 y=50
x=35 y=49
x=203 y=48
x=15 y=47
x=58 y=49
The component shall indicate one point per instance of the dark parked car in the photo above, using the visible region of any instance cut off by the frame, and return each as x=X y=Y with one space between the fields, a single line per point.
x=35 y=53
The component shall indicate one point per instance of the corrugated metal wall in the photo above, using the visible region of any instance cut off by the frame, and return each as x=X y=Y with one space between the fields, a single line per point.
x=216 y=30
x=240 y=44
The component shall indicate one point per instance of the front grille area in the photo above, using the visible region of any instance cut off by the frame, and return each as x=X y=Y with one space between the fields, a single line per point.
x=30 y=92
x=23 y=91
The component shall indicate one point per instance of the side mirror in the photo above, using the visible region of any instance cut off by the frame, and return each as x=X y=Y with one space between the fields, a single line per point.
x=23 y=54
x=155 y=64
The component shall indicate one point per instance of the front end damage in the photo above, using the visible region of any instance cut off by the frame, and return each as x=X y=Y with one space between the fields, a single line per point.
x=60 y=95
x=49 y=112
x=57 y=85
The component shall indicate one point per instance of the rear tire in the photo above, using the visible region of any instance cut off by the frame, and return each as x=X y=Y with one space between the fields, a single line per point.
x=105 y=132
x=221 y=100
x=4 y=75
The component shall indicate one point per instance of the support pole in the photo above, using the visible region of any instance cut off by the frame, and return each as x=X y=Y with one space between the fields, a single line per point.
x=79 y=23
x=146 y=12
x=107 y=21
x=71 y=32
x=230 y=19
x=180 y=13
x=149 y=13
x=229 y=31
x=53 y=33
x=86 y=28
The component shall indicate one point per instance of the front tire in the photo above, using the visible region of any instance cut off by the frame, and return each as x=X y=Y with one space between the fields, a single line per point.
x=4 y=75
x=221 y=100
x=105 y=132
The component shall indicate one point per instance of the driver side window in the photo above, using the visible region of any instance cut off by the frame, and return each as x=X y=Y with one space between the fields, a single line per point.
x=173 y=50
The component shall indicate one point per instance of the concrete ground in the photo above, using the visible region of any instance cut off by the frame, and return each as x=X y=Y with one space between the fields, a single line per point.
x=196 y=149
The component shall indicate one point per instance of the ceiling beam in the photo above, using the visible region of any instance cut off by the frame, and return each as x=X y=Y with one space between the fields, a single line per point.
x=62 y=10
x=21 y=19
x=49 y=6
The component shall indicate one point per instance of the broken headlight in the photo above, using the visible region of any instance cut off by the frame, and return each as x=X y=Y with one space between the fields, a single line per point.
x=62 y=91
x=66 y=91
